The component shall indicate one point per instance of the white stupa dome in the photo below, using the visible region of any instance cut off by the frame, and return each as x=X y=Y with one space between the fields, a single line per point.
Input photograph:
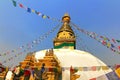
x=76 y=58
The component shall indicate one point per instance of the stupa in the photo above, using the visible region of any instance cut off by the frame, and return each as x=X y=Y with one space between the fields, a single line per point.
x=65 y=50
x=64 y=61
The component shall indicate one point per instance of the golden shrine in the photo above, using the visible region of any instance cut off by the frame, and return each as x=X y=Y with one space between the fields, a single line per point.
x=50 y=61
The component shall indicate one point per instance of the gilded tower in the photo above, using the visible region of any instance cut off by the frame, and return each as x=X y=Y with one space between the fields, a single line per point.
x=65 y=37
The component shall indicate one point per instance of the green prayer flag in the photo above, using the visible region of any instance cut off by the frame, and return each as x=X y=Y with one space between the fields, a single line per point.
x=118 y=40
x=14 y=3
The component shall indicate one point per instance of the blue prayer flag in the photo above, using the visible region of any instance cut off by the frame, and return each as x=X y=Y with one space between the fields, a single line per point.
x=29 y=10
x=112 y=76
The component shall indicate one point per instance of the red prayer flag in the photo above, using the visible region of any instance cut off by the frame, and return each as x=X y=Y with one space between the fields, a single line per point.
x=21 y=5
x=71 y=69
x=113 y=40
x=94 y=68
x=101 y=36
x=104 y=42
x=119 y=47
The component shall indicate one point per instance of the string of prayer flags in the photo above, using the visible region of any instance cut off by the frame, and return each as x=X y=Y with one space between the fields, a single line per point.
x=28 y=46
x=102 y=39
x=109 y=76
x=34 y=11
x=92 y=68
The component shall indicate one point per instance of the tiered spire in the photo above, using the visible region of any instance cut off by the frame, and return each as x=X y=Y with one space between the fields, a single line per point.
x=65 y=37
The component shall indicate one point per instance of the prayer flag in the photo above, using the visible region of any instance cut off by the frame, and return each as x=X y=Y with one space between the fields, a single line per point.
x=14 y=3
x=112 y=76
x=112 y=45
x=113 y=40
x=118 y=41
x=21 y=5
x=104 y=42
x=29 y=10
x=48 y=17
x=108 y=45
x=33 y=11
x=119 y=47
x=80 y=68
x=93 y=68
x=98 y=68
x=105 y=38
x=85 y=68
x=101 y=36
x=44 y=16
x=105 y=68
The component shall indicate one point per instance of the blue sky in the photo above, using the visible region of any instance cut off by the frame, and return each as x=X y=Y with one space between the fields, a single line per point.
x=18 y=27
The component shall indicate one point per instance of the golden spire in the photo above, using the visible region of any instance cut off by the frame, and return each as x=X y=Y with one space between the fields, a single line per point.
x=66 y=27
x=65 y=37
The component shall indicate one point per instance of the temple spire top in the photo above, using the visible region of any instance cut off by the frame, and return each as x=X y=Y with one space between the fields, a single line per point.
x=65 y=37
x=66 y=18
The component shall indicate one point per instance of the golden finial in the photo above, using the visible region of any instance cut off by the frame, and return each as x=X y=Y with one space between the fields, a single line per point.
x=66 y=14
x=66 y=18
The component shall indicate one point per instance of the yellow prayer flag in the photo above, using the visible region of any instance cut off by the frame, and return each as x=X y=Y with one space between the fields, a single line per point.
x=108 y=45
x=117 y=71
x=105 y=38
x=44 y=16
x=33 y=10
x=80 y=68
x=105 y=68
